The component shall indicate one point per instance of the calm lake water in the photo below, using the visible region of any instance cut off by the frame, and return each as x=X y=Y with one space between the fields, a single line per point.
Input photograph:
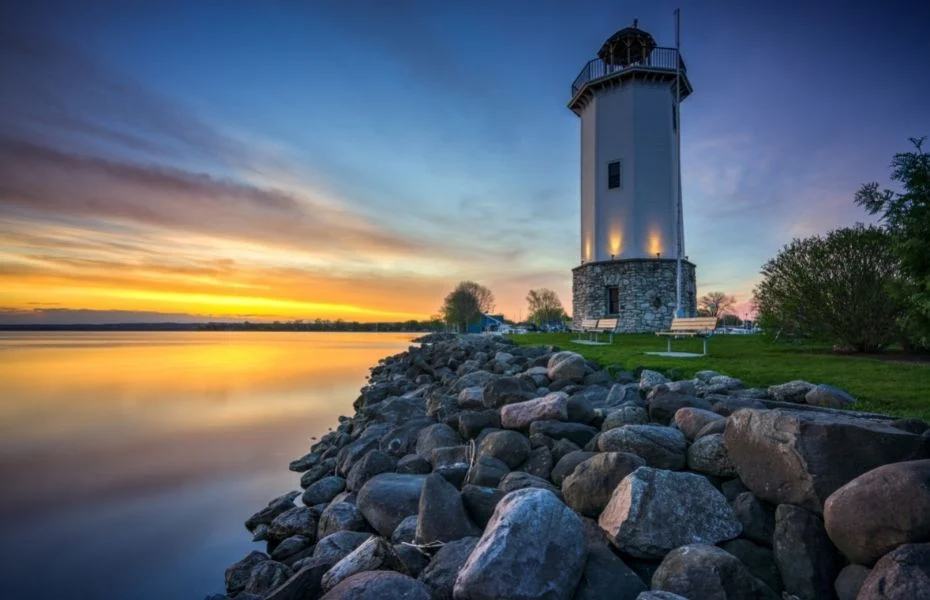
x=129 y=461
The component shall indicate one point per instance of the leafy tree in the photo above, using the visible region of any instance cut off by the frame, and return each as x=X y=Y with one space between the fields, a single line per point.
x=545 y=307
x=465 y=304
x=907 y=217
x=729 y=320
x=716 y=303
x=833 y=288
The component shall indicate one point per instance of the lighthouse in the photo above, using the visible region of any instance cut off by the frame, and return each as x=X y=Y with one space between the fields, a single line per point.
x=633 y=264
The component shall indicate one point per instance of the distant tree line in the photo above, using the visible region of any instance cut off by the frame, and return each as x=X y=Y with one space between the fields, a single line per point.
x=411 y=325
x=860 y=288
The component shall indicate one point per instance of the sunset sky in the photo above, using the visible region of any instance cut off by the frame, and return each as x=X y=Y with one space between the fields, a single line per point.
x=355 y=159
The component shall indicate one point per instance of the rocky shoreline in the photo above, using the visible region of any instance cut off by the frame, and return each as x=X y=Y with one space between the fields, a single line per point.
x=475 y=469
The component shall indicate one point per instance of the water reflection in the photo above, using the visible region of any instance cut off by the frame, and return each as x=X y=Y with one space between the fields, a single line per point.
x=130 y=460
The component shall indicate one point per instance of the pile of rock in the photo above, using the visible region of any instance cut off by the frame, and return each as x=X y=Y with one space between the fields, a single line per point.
x=475 y=469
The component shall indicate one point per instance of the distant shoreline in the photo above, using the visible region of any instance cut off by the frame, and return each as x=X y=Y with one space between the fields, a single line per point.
x=207 y=327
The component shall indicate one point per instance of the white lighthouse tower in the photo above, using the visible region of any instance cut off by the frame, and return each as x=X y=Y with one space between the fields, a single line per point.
x=633 y=264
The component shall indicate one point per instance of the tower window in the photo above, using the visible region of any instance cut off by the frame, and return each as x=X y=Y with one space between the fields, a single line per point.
x=613 y=299
x=613 y=175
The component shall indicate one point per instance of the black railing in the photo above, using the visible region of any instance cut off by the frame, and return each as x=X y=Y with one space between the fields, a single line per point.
x=660 y=59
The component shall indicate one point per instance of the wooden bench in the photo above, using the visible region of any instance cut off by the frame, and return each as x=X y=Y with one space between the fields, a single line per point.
x=702 y=327
x=608 y=326
x=587 y=326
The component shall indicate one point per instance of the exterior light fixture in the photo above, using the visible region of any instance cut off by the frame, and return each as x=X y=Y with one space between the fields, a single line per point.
x=658 y=254
x=611 y=257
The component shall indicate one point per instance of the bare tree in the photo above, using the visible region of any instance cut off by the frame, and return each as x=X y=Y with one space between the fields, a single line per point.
x=716 y=304
x=465 y=304
x=545 y=306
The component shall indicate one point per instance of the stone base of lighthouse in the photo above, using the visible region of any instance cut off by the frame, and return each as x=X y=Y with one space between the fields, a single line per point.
x=641 y=292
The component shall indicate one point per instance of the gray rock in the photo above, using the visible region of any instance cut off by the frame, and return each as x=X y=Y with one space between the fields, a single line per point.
x=266 y=515
x=305 y=462
x=442 y=516
x=589 y=487
x=520 y=415
x=800 y=458
x=518 y=480
x=653 y=511
x=664 y=403
x=582 y=406
x=340 y=516
x=712 y=428
x=471 y=397
x=480 y=502
x=387 y=499
x=291 y=546
x=880 y=510
x=566 y=366
x=623 y=394
x=378 y=585
x=709 y=455
x=471 y=423
x=661 y=447
x=509 y=447
x=577 y=433
x=473 y=379
x=440 y=575
x=758 y=519
x=373 y=463
x=732 y=488
x=304 y=583
x=902 y=574
x=237 y=574
x=606 y=576
x=849 y=581
x=758 y=559
x=487 y=471
x=567 y=465
x=436 y=436
x=402 y=439
x=414 y=559
x=348 y=455
x=507 y=390
x=533 y=547
x=266 y=576
x=829 y=397
x=337 y=546
x=659 y=596
x=648 y=380
x=691 y=421
x=538 y=463
x=625 y=415
x=321 y=470
x=793 y=391
x=406 y=531
x=413 y=464
x=324 y=490
x=561 y=448
x=375 y=554
x=806 y=559
x=706 y=572
x=300 y=520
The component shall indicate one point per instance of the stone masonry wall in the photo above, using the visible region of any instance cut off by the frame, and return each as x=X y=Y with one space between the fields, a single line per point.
x=647 y=292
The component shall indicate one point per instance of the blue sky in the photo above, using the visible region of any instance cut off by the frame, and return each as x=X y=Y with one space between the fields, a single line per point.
x=356 y=159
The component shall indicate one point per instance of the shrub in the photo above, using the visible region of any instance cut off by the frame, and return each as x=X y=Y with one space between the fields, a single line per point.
x=834 y=288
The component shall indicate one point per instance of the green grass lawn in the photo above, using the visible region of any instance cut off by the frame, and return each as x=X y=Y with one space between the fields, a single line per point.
x=879 y=384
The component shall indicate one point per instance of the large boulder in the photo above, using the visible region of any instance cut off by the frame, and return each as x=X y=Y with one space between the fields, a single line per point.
x=480 y=502
x=653 y=511
x=442 y=571
x=807 y=560
x=337 y=546
x=442 y=516
x=758 y=559
x=265 y=577
x=520 y=415
x=237 y=574
x=623 y=394
x=902 y=574
x=800 y=458
x=472 y=422
x=300 y=520
x=509 y=447
x=387 y=499
x=340 y=516
x=538 y=462
x=518 y=480
x=378 y=585
x=533 y=547
x=566 y=366
x=849 y=581
x=880 y=510
x=708 y=573
x=793 y=391
x=324 y=490
x=758 y=519
x=625 y=415
x=487 y=471
x=275 y=507
x=649 y=380
x=605 y=574
x=661 y=447
x=588 y=488
x=373 y=463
